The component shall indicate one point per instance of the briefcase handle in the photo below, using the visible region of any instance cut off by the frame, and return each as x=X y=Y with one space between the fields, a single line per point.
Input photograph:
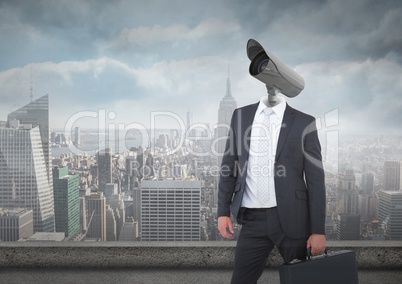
x=309 y=256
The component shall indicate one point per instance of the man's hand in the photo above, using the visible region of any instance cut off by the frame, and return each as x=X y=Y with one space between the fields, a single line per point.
x=225 y=227
x=317 y=243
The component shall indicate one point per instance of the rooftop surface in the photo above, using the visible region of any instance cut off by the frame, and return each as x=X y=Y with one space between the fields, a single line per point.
x=160 y=275
x=167 y=262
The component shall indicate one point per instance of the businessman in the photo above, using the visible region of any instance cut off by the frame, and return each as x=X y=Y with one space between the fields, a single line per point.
x=272 y=182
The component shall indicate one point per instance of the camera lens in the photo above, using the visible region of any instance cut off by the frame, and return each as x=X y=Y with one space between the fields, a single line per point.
x=259 y=63
x=263 y=65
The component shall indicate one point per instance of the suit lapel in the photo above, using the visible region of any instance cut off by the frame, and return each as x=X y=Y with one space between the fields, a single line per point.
x=246 y=124
x=288 y=117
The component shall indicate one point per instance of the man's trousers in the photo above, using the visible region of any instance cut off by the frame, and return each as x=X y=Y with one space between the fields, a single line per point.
x=261 y=231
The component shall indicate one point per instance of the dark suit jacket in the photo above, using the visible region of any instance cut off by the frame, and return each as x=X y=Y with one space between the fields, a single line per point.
x=299 y=174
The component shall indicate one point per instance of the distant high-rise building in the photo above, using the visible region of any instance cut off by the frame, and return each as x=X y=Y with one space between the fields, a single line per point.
x=105 y=168
x=136 y=208
x=392 y=176
x=111 y=224
x=77 y=136
x=141 y=171
x=189 y=121
x=23 y=174
x=131 y=177
x=16 y=224
x=348 y=226
x=170 y=210
x=36 y=113
x=368 y=204
x=226 y=108
x=129 y=231
x=110 y=189
x=347 y=194
x=97 y=216
x=390 y=213
x=116 y=203
x=149 y=163
x=66 y=201
x=368 y=183
x=83 y=215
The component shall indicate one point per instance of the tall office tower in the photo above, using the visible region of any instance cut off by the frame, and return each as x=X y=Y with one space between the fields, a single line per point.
x=16 y=224
x=130 y=175
x=129 y=231
x=23 y=174
x=116 y=202
x=137 y=206
x=347 y=194
x=226 y=108
x=36 y=113
x=392 y=176
x=105 y=168
x=390 y=213
x=348 y=226
x=77 y=136
x=149 y=163
x=110 y=189
x=83 y=215
x=189 y=120
x=53 y=137
x=170 y=210
x=368 y=205
x=189 y=123
x=97 y=216
x=110 y=224
x=368 y=183
x=141 y=160
x=66 y=201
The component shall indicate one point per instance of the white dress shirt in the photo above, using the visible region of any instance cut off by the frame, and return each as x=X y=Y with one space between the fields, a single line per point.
x=254 y=169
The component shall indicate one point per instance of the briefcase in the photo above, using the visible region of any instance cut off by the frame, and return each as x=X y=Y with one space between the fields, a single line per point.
x=330 y=268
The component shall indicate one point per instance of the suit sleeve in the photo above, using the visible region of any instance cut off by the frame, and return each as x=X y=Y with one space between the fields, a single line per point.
x=315 y=179
x=227 y=173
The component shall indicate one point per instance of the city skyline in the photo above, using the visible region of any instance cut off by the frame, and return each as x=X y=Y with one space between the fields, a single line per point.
x=154 y=78
x=153 y=59
x=105 y=191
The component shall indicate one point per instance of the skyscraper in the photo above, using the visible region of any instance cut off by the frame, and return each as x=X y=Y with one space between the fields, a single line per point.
x=66 y=201
x=226 y=108
x=15 y=224
x=97 y=216
x=348 y=226
x=189 y=120
x=392 y=175
x=23 y=174
x=104 y=159
x=390 y=213
x=36 y=113
x=116 y=203
x=111 y=224
x=347 y=194
x=77 y=136
x=368 y=182
x=129 y=230
x=170 y=210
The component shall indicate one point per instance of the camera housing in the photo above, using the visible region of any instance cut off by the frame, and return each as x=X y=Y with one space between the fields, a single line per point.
x=269 y=69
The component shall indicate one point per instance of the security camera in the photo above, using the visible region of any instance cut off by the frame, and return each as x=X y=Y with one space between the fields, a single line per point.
x=278 y=77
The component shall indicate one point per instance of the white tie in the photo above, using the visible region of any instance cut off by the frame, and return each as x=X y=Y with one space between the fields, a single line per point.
x=264 y=154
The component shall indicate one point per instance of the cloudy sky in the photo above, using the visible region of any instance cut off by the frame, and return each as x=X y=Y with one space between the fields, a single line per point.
x=132 y=58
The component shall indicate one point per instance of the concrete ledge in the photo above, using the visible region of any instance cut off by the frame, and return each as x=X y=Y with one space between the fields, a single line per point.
x=370 y=255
